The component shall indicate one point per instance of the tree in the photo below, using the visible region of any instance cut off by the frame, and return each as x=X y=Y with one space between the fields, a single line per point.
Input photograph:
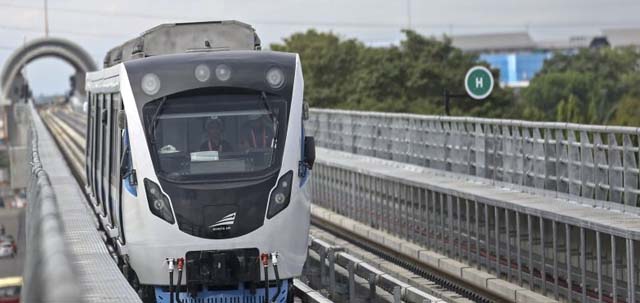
x=569 y=110
x=591 y=83
x=328 y=64
x=545 y=93
x=628 y=112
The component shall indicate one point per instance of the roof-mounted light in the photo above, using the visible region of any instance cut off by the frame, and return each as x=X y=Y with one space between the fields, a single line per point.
x=150 y=84
x=223 y=72
x=202 y=73
x=275 y=77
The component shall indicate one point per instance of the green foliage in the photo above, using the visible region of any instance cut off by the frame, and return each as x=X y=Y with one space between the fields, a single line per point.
x=587 y=87
x=628 y=112
x=570 y=110
x=411 y=77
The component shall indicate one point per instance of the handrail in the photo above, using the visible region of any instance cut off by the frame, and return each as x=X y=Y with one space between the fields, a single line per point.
x=49 y=274
x=401 y=291
x=593 y=162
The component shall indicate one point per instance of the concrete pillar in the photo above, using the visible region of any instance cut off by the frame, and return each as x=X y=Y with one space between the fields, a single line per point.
x=17 y=130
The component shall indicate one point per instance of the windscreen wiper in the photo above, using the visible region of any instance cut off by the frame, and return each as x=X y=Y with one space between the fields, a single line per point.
x=154 y=120
x=273 y=117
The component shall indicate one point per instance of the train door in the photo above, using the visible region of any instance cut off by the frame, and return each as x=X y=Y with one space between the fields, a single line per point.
x=88 y=145
x=92 y=128
x=106 y=160
x=99 y=149
x=115 y=185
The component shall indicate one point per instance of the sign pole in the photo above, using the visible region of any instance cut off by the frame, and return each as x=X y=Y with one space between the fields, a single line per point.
x=478 y=85
x=447 y=110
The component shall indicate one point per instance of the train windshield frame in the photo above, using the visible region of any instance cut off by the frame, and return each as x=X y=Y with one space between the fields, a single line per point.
x=212 y=136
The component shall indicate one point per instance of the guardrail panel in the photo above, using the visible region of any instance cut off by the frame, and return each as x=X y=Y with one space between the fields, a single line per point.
x=581 y=160
x=49 y=274
x=532 y=246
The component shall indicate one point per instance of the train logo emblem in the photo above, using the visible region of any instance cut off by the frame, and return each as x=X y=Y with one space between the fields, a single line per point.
x=224 y=223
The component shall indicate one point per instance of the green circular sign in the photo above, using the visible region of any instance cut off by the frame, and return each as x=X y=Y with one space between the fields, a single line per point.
x=478 y=82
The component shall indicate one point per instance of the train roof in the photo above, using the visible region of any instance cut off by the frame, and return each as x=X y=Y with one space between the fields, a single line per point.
x=176 y=72
x=173 y=38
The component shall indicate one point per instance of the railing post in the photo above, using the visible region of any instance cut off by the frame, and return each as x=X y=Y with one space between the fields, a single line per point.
x=332 y=274
x=352 y=282
x=373 y=278
x=397 y=294
x=631 y=283
x=323 y=270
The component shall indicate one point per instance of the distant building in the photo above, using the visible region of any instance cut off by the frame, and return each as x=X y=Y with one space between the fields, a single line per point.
x=516 y=68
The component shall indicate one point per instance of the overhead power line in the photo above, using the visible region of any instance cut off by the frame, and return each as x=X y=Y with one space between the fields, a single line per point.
x=46 y=19
x=89 y=12
x=413 y=24
x=68 y=32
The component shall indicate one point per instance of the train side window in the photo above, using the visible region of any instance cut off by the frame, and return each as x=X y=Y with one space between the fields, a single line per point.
x=127 y=173
x=115 y=140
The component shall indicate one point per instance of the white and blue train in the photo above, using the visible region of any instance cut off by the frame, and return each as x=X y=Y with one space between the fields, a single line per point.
x=197 y=163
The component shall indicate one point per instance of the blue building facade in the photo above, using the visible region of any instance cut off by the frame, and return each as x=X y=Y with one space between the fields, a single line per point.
x=516 y=68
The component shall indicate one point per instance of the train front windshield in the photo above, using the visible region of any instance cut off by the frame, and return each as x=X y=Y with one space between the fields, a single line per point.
x=197 y=137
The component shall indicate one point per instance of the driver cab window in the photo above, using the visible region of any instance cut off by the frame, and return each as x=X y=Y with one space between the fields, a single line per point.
x=202 y=135
x=199 y=143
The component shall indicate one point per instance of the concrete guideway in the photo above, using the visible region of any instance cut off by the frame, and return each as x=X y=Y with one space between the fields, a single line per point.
x=494 y=229
x=490 y=283
x=60 y=48
x=567 y=211
x=360 y=274
x=390 y=264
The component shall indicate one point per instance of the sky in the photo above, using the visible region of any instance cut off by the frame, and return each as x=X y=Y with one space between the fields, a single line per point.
x=100 y=25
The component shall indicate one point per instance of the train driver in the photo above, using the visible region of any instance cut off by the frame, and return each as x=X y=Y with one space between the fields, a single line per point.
x=214 y=140
x=258 y=133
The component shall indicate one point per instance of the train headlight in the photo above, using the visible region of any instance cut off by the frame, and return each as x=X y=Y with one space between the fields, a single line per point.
x=281 y=195
x=280 y=198
x=223 y=72
x=150 y=84
x=158 y=202
x=202 y=73
x=275 y=77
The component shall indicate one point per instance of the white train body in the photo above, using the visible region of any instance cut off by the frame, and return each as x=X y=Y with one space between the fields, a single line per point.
x=221 y=135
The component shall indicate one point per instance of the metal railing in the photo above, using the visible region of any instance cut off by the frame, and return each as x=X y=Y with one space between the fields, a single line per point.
x=588 y=161
x=49 y=274
x=527 y=246
x=333 y=257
